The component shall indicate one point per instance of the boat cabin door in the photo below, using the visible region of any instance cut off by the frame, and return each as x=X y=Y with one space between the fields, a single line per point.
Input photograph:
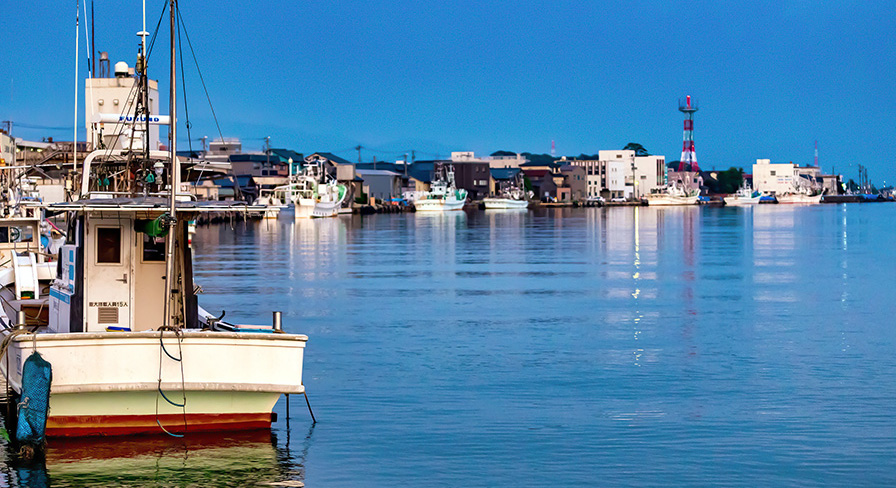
x=109 y=271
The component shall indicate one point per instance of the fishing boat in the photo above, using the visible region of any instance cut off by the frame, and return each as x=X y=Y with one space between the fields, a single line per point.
x=512 y=196
x=800 y=197
x=312 y=192
x=272 y=202
x=744 y=196
x=129 y=347
x=672 y=195
x=443 y=196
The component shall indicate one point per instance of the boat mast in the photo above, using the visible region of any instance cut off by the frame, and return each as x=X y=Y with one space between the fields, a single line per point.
x=174 y=176
x=77 y=37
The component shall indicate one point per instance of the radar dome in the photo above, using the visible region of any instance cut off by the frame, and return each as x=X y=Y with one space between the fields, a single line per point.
x=121 y=69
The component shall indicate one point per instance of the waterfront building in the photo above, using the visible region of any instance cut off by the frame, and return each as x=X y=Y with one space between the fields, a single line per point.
x=381 y=184
x=779 y=178
x=419 y=177
x=538 y=173
x=640 y=174
x=618 y=173
x=567 y=184
x=649 y=174
x=595 y=175
x=507 y=161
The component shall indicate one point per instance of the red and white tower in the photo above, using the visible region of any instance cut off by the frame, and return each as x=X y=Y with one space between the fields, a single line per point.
x=688 y=153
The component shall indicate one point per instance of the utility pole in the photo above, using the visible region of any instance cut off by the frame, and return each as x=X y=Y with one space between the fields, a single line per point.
x=267 y=150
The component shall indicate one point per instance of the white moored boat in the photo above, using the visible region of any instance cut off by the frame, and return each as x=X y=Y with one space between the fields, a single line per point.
x=672 y=195
x=512 y=196
x=800 y=197
x=312 y=192
x=130 y=350
x=744 y=196
x=495 y=203
x=443 y=195
x=116 y=368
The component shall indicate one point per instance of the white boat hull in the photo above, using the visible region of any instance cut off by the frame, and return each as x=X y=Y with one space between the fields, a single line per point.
x=742 y=200
x=439 y=205
x=304 y=208
x=504 y=203
x=107 y=383
x=798 y=198
x=325 y=209
x=668 y=200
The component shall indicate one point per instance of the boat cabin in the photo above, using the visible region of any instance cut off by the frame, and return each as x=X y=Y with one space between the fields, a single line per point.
x=23 y=266
x=112 y=267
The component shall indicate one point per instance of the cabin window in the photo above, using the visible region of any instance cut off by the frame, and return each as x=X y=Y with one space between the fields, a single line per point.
x=153 y=248
x=108 y=245
x=15 y=233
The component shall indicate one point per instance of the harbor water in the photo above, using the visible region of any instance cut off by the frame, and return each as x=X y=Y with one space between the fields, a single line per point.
x=628 y=346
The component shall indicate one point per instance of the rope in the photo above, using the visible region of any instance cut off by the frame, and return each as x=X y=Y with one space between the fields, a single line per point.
x=183 y=406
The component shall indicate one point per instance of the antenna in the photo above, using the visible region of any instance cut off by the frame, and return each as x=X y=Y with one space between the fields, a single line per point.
x=816 y=154
x=75 y=139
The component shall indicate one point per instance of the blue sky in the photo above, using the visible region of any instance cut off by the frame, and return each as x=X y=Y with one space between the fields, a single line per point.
x=771 y=77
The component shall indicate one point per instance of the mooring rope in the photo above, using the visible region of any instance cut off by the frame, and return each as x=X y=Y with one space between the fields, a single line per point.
x=178 y=333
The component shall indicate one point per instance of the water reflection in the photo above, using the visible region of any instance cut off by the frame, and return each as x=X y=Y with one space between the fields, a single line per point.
x=559 y=346
x=229 y=459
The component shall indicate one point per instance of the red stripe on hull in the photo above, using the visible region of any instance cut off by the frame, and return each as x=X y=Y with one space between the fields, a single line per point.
x=92 y=426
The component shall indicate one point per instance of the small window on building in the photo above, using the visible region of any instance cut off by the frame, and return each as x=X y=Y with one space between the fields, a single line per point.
x=153 y=248
x=108 y=245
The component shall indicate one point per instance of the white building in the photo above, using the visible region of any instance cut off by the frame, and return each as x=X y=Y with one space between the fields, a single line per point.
x=773 y=178
x=7 y=150
x=109 y=114
x=498 y=162
x=618 y=172
x=650 y=173
x=466 y=157
x=778 y=178
x=622 y=174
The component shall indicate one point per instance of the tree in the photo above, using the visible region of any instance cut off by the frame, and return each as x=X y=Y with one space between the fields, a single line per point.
x=730 y=180
x=503 y=153
x=639 y=149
